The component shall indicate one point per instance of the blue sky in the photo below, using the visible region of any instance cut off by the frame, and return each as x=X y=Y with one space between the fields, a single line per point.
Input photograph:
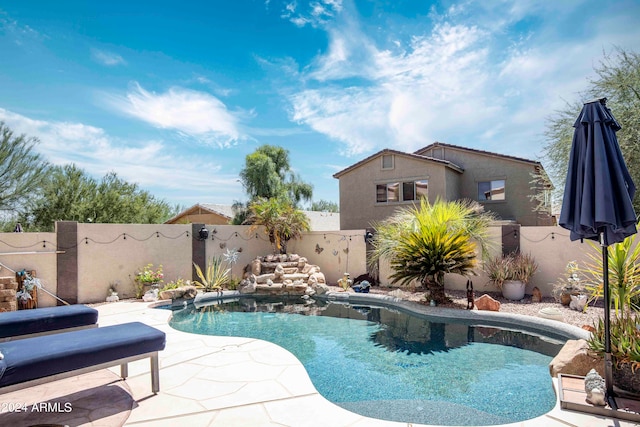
x=173 y=95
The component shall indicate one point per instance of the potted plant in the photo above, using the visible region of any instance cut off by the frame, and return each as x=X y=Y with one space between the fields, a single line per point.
x=511 y=273
x=148 y=277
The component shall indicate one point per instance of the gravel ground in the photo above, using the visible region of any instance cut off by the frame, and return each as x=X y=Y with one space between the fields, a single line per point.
x=525 y=306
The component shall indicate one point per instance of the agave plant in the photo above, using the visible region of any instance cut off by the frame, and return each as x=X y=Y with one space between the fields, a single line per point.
x=625 y=340
x=427 y=241
x=217 y=274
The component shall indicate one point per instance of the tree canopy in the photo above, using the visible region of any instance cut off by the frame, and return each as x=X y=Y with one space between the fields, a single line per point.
x=325 y=206
x=69 y=194
x=281 y=219
x=21 y=170
x=618 y=80
x=267 y=173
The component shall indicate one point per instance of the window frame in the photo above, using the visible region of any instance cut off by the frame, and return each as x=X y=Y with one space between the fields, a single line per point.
x=491 y=189
x=388 y=156
x=396 y=189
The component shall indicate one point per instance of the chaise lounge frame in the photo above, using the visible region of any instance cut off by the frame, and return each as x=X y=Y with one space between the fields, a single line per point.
x=124 y=373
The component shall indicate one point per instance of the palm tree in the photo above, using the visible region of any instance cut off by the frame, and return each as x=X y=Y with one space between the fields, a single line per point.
x=281 y=219
x=425 y=242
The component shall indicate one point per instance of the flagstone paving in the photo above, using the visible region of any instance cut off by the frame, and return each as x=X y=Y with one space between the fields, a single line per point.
x=209 y=381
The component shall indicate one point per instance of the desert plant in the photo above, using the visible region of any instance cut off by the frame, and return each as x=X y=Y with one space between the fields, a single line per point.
x=514 y=266
x=281 y=219
x=624 y=274
x=426 y=241
x=215 y=276
x=625 y=340
x=174 y=284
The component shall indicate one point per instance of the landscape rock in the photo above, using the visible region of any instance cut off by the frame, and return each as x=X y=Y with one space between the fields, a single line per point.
x=575 y=358
x=485 y=302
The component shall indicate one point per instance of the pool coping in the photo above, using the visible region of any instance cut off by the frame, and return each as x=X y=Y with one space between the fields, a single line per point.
x=513 y=321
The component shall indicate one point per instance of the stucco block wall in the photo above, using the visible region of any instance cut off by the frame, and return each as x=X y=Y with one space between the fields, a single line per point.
x=115 y=252
x=31 y=251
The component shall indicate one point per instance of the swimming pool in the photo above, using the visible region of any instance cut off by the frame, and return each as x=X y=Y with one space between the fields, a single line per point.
x=386 y=364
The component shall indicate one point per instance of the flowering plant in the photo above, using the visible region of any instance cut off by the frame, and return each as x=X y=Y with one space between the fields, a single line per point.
x=148 y=275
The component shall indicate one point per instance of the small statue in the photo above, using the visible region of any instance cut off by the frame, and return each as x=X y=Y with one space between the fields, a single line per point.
x=595 y=387
x=578 y=302
x=470 y=296
x=345 y=282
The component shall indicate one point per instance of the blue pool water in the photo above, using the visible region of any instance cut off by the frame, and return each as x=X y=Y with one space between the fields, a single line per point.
x=390 y=365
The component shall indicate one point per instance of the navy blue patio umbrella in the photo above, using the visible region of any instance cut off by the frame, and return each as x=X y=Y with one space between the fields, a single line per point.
x=597 y=197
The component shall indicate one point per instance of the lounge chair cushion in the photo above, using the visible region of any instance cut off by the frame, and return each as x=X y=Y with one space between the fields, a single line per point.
x=43 y=356
x=24 y=322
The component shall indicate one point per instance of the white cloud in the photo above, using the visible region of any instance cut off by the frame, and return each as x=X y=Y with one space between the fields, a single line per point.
x=196 y=114
x=316 y=13
x=150 y=163
x=109 y=59
x=473 y=78
x=409 y=97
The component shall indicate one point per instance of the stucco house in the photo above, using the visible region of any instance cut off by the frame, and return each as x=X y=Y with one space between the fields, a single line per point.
x=213 y=214
x=373 y=188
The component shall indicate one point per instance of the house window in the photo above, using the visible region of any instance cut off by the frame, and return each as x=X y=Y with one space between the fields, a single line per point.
x=414 y=190
x=393 y=192
x=387 y=161
x=491 y=190
x=410 y=190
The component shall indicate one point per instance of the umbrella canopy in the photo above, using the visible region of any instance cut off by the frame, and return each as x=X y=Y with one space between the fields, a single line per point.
x=599 y=189
x=597 y=198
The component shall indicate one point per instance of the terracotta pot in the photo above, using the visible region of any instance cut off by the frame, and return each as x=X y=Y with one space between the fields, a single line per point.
x=513 y=290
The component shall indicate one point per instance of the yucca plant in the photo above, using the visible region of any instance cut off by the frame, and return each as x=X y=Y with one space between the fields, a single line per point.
x=217 y=274
x=624 y=274
x=426 y=242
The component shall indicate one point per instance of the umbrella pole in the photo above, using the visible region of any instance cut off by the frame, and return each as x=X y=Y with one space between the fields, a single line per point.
x=608 y=363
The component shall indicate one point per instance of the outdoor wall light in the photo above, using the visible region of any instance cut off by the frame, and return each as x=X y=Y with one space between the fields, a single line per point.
x=203 y=234
x=368 y=237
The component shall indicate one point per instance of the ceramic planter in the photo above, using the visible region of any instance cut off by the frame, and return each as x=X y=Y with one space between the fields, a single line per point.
x=513 y=290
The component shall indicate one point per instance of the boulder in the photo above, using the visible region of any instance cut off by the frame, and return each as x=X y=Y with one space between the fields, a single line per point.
x=319 y=288
x=186 y=292
x=256 y=267
x=248 y=285
x=485 y=302
x=575 y=358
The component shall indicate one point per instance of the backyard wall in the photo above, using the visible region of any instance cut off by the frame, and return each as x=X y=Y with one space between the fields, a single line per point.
x=550 y=246
x=81 y=261
x=81 y=270
x=31 y=251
